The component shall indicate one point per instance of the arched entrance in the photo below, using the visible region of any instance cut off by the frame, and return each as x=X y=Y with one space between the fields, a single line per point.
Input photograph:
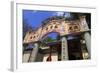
x=52 y=46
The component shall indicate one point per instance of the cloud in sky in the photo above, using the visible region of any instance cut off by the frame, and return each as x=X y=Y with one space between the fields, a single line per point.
x=59 y=13
x=34 y=11
x=65 y=14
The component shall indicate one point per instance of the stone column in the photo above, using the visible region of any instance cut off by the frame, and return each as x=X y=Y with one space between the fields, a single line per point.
x=87 y=38
x=64 y=51
x=34 y=53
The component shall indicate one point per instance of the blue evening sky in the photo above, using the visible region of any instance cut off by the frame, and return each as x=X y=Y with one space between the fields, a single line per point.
x=34 y=17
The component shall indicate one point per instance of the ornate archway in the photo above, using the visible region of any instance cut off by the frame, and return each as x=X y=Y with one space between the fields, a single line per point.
x=61 y=26
x=64 y=28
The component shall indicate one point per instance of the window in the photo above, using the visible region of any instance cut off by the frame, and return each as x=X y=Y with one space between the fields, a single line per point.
x=75 y=27
x=31 y=37
x=56 y=26
x=34 y=36
x=51 y=27
x=47 y=28
x=70 y=28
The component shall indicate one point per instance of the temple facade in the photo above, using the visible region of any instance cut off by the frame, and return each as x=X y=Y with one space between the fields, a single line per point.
x=74 y=42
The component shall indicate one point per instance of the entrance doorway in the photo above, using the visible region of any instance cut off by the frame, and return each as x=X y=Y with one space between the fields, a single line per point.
x=74 y=49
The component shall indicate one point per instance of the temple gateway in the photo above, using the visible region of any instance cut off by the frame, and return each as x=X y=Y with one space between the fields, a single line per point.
x=74 y=41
